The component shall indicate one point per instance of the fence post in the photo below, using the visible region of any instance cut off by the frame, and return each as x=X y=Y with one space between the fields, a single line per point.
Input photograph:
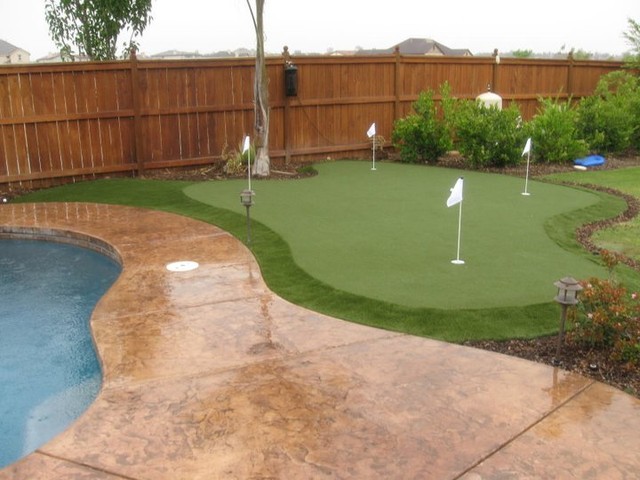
x=570 y=74
x=137 y=126
x=494 y=80
x=286 y=56
x=397 y=80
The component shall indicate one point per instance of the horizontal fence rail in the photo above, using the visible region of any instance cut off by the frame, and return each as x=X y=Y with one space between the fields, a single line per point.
x=62 y=121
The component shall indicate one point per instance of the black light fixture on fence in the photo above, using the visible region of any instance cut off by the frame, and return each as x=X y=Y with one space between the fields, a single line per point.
x=246 y=199
x=290 y=79
x=568 y=288
x=290 y=74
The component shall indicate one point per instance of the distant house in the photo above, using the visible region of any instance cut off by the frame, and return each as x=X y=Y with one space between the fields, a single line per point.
x=57 y=57
x=175 y=55
x=12 y=54
x=181 y=55
x=426 y=46
x=343 y=53
x=420 y=46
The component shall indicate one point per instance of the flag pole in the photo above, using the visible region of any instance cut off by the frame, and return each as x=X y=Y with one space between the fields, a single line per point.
x=247 y=148
x=371 y=133
x=373 y=152
x=249 y=167
x=527 y=149
x=457 y=261
x=456 y=196
x=526 y=179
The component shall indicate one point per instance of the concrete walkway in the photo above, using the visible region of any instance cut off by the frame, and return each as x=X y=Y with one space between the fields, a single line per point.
x=209 y=375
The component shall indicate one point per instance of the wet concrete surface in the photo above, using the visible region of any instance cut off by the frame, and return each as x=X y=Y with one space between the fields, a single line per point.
x=209 y=375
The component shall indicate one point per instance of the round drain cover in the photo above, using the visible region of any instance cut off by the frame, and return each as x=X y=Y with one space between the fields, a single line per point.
x=182 y=266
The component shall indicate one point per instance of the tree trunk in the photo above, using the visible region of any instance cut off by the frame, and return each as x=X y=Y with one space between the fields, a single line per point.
x=261 y=166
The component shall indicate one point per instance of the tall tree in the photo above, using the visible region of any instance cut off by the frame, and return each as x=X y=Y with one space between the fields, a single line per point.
x=633 y=38
x=261 y=167
x=92 y=27
x=522 y=53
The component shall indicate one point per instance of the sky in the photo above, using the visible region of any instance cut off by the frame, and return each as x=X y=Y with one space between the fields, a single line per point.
x=319 y=26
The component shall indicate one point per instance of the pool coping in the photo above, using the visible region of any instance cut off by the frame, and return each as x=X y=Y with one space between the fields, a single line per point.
x=61 y=236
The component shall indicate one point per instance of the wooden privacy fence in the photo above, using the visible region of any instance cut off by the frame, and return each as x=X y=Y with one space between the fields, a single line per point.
x=78 y=119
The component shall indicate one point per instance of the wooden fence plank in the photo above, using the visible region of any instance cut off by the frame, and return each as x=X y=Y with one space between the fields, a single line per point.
x=4 y=155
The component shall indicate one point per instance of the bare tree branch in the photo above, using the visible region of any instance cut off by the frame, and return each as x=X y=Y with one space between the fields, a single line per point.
x=253 y=17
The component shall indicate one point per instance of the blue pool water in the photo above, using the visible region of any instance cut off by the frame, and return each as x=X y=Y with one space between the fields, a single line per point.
x=49 y=372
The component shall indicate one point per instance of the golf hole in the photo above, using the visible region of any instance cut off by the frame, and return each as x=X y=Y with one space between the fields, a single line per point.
x=182 y=266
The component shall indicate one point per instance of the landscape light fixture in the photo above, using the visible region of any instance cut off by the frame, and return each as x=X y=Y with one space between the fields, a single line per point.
x=568 y=288
x=246 y=199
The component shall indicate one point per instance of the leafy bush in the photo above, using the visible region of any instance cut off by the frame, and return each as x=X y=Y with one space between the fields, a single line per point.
x=608 y=119
x=236 y=160
x=306 y=170
x=422 y=137
x=555 y=134
x=606 y=122
x=488 y=137
x=609 y=317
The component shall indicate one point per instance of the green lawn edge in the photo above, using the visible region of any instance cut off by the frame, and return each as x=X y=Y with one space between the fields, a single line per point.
x=286 y=279
x=561 y=228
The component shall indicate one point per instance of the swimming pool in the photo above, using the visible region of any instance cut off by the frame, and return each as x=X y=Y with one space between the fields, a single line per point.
x=49 y=372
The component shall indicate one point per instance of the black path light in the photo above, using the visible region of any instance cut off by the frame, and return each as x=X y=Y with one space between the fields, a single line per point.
x=568 y=288
x=246 y=199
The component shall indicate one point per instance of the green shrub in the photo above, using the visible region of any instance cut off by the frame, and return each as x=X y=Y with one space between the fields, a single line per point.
x=608 y=119
x=236 y=160
x=608 y=317
x=554 y=133
x=307 y=170
x=423 y=136
x=488 y=137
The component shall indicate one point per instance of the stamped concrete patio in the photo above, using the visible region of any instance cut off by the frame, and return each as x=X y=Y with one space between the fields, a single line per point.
x=209 y=375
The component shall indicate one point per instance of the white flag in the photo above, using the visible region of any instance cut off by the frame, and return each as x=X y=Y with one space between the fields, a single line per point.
x=247 y=144
x=527 y=147
x=456 y=194
x=372 y=130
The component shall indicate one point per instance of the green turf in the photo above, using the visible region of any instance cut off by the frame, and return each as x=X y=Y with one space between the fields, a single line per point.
x=624 y=237
x=287 y=279
x=387 y=234
x=624 y=179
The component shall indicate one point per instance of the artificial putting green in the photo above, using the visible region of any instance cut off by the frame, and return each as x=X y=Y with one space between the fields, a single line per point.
x=287 y=279
x=388 y=235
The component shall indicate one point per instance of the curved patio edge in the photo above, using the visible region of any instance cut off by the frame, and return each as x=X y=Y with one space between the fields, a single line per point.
x=208 y=374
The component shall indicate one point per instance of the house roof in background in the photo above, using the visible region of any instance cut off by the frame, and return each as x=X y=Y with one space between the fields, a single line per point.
x=420 y=46
x=7 y=48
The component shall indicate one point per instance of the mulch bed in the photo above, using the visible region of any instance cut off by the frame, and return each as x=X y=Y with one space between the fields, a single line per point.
x=216 y=171
x=591 y=363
